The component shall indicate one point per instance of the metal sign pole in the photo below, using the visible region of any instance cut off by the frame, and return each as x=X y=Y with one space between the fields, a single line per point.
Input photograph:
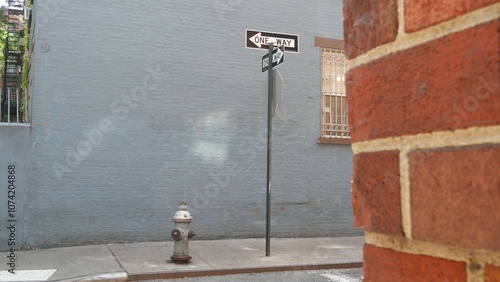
x=269 y=143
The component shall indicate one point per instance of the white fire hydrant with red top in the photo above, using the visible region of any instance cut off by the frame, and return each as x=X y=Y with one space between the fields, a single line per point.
x=181 y=234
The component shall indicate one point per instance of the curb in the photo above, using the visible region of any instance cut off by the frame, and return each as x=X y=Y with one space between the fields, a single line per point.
x=220 y=272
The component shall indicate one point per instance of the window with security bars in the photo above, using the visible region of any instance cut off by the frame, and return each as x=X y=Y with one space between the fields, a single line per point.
x=334 y=121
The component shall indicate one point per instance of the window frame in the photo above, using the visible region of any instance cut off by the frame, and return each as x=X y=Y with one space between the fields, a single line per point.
x=328 y=43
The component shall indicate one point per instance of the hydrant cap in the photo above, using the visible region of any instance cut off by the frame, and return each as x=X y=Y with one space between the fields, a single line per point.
x=182 y=215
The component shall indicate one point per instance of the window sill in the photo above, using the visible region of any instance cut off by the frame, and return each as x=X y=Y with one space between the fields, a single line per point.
x=334 y=141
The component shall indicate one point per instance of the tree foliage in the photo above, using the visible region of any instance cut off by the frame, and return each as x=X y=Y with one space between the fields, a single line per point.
x=3 y=34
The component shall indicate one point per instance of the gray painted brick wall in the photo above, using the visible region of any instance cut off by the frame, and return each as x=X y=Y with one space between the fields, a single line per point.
x=14 y=167
x=138 y=106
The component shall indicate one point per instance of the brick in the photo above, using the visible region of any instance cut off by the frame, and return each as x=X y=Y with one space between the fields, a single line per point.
x=420 y=14
x=491 y=273
x=376 y=192
x=368 y=24
x=445 y=84
x=455 y=195
x=386 y=265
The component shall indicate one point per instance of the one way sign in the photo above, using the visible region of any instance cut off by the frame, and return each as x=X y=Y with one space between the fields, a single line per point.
x=278 y=58
x=261 y=39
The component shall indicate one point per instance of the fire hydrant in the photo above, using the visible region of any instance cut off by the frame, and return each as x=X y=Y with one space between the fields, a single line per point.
x=181 y=234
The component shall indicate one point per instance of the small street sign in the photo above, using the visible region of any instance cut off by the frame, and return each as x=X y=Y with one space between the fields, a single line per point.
x=278 y=58
x=261 y=39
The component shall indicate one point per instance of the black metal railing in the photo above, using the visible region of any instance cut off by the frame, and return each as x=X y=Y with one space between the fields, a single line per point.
x=12 y=94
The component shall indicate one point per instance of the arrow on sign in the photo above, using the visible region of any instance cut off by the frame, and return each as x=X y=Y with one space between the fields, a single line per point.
x=278 y=58
x=260 y=40
x=256 y=39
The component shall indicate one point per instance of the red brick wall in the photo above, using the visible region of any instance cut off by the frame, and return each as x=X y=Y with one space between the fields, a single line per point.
x=492 y=273
x=423 y=89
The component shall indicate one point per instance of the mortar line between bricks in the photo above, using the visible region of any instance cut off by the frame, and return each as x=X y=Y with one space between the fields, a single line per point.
x=438 y=250
x=401 y=18
x=435 y=140
x=404 y=182
x=474 y=276
x=409 y=40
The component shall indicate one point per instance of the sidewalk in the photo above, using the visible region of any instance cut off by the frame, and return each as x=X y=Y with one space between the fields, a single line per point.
x=142 y=261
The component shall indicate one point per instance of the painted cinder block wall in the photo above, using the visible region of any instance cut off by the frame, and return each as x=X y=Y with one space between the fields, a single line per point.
x=423 y=89
x=14 y=163
x=138 y=107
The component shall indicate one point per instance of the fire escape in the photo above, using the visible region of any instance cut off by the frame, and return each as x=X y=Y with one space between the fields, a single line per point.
x=11 y=98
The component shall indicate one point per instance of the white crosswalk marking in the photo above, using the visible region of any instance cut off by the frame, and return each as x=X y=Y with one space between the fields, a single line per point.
x=339 y=277
x=27 y=275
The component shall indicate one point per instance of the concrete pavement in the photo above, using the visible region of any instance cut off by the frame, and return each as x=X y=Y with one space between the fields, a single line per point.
x=151 y=260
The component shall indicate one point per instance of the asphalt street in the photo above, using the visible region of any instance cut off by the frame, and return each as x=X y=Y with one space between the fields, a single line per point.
x=333 y=275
